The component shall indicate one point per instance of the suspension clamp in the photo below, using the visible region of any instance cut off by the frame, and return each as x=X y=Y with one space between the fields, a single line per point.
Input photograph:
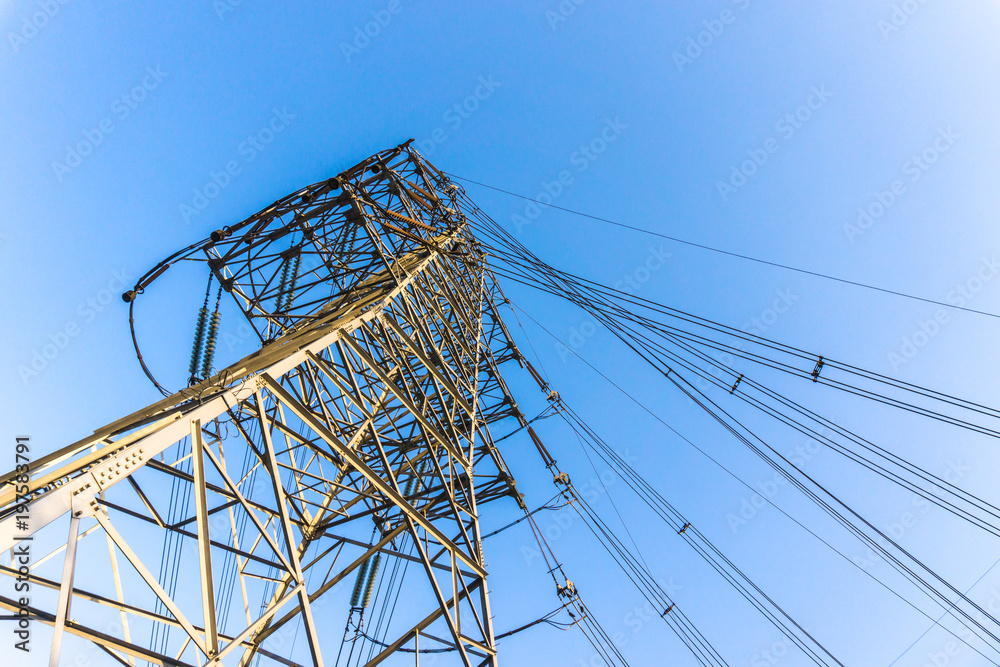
x=567 y=591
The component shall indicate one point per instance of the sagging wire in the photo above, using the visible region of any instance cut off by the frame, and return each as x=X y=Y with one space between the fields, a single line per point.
x=547 y=619
x=634 y=568
x=549 y=411
x=632 y=565
x=548 y=506
x=730 y=253
x=656 y=502
x=612 y=315
x=520 y=265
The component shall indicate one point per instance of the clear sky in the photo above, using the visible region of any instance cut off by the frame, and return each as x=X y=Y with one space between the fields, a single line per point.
x=872 y=139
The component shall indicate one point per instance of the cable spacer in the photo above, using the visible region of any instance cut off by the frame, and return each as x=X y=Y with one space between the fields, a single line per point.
x=819 y=367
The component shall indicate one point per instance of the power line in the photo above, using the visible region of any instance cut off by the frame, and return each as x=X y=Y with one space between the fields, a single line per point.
x=656 y=502
x=730 y=253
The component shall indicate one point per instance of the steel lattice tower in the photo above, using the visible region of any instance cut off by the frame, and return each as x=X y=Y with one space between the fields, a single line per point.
x=357 y=435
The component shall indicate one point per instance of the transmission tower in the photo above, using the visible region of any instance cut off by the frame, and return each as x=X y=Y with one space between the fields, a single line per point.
x=318 y=502
x=357 y=438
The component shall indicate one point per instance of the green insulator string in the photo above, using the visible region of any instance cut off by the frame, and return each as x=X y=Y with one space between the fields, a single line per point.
x=359 y=583
x=412 y=482
x=368 y=572
x=295 y=279
x=199 y=335
x=282 y=283
x=213 y=336
x=372 y=575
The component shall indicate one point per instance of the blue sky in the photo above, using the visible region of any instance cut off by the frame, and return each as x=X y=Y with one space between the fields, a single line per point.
x=117 y=120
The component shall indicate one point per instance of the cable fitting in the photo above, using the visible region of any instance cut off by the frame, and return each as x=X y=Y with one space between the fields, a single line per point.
x=819 y=367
